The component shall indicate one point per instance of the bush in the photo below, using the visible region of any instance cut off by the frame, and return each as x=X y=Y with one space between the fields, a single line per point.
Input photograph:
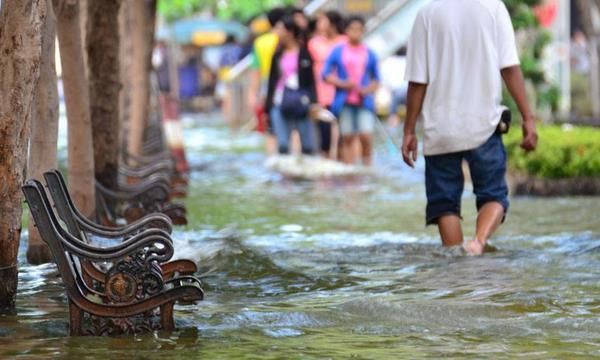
x=562 y=152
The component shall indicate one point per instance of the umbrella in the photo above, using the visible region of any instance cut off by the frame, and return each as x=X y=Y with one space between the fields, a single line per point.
x=200 y=31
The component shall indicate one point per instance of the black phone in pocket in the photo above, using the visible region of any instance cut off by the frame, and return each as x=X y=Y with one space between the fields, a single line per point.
x=504 y=124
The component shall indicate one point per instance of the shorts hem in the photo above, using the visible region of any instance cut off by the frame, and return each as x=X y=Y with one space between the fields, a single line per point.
x=433 y=219
x=502 y=201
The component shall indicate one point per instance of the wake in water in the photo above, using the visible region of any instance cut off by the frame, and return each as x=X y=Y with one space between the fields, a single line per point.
x=312 y=167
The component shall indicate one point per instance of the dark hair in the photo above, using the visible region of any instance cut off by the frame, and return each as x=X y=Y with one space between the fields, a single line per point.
x=355 y=18
x=336 y=19
x=312 y=25
x=275 y=15
x=230 y=39
x=292 y=10
x=290 y=25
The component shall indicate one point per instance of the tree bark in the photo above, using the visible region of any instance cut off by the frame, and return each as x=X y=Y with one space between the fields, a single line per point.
x=44 y=130
x=125 y=57
x=21 y=23
x=81 y=157
x=82 y=28
x=142 y=31
x=102 y=45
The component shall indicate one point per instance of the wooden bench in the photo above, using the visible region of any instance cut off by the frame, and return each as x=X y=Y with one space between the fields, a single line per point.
x=154 y=165
x=162 y=171
x=135 y=201
x=136 y=297
x=79 y=226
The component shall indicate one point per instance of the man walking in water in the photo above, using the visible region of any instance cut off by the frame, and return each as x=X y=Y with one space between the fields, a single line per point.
x=458 y=53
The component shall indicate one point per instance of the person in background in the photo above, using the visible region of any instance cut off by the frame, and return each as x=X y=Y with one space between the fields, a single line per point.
x=230 y=56
x=329 y=29
x=352 y=69
x=580 y=54
x=262 y=54
x=302 y=21
x=458 y=53
x=291 y=89
x=248 y=46
x=231 y=53
x=168 y=86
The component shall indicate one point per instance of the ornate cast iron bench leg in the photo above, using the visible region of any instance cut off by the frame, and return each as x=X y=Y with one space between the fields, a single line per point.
x=166 y=317
x=75 y=319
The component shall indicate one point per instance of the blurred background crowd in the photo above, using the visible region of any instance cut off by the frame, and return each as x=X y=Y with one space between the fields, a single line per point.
x=218 y=45
x=213 y=37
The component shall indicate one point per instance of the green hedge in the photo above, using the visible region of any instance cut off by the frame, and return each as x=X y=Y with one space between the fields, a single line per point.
x=562 y=152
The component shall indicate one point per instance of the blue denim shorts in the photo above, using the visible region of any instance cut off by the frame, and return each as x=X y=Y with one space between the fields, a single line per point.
x=444 y=179
x=356 y=120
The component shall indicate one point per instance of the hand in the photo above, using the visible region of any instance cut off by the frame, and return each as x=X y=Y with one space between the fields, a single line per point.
x=410 y=149
x=364 y=91
x=530 y=137
x=348 y=85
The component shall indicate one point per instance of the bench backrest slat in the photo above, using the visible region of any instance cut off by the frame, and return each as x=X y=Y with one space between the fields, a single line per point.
x=42 y=217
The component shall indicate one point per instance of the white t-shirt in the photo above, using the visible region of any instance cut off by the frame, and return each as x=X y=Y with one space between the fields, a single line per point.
x=458 y=48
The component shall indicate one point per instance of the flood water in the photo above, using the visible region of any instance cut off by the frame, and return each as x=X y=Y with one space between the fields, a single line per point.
x=344 y=269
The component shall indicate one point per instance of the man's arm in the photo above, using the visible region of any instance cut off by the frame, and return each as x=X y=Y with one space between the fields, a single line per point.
x=513 y=78
x=414 y=105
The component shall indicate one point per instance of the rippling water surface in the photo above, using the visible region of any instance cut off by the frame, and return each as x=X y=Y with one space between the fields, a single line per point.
x=345 y=269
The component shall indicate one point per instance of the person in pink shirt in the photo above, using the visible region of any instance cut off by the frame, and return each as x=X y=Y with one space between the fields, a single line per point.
x=330 y=26
x=352 y=69
x=291 y=89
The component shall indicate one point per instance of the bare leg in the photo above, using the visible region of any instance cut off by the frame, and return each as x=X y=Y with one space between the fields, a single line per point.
x=335 y=139
x=295 y=144
x=226 y=107
x=356 y=149
x=366 y=142
x=270 y=144
x=450 y=230
x=488 y=220
x=340 y=149
x=348 y=149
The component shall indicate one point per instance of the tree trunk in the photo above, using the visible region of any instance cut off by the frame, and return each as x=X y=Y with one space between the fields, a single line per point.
x=102 y=44
x=44 y=130
x=125 y=57
x=82 y=35
x=142 y=32
x=21 y=24
x=81 y=157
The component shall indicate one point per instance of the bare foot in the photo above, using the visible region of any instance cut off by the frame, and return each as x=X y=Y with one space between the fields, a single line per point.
x=474 y=247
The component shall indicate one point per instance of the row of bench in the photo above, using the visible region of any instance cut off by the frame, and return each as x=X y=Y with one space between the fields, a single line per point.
x=130 y=286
